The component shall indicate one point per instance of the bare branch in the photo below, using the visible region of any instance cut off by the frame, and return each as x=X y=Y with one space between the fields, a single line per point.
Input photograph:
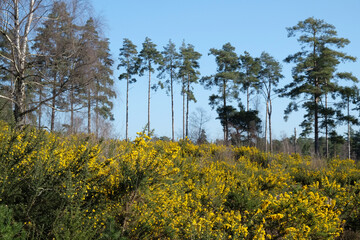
x=7 y=98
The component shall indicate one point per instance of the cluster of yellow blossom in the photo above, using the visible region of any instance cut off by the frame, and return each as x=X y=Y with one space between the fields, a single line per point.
x=175 y=190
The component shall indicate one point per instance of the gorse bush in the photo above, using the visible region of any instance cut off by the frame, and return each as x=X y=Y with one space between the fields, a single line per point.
x=56 y=187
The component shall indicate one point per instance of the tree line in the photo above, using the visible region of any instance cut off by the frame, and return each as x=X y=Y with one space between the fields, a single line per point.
x=317 y=87
x=52 y=62
x=50 y=59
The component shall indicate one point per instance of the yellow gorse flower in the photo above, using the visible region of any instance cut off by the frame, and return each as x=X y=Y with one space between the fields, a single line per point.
x=178 y=190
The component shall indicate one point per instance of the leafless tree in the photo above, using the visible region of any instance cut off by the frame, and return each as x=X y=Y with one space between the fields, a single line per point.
x=18 y=19
x=198 y=120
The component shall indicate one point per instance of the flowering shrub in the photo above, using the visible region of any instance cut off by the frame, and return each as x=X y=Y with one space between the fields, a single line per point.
x=72 y=187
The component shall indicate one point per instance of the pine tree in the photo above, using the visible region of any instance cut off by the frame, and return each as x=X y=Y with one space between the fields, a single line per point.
x=328 y=113
x=226 y=79
x=269 y=76
x=104 y=84
x=148 y=57
x=348 y=95
x=249 y=69
x=97 y=72
x=53 y=44
x=241 y=121
x=128 y=60
x=190 y=75
x=169 y=68
x=309 y=75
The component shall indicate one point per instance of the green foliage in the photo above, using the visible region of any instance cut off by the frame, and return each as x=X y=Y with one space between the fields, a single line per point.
x=56 y=58
x=69 y=188
x=315 y=71
x=226 y=80
x=128 y=61
x=240 y=122
x=168 y=69
x=148 y=57
x=112 y=231
x=97 y=72
x=249 y=75
x=227 y=73
x=189 y=59
x=9 y=228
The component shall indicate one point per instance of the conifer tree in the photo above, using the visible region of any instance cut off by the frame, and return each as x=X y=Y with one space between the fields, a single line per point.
x=104 y=84
x=348 y=96
x=148 y=57
x=241 y=121
x=53 y=44
x=269 y=76
x=128 y=60
x=169 y=68
x=97 y=72
x=189 y=73
x=226 y=79
x=309 y=75
x=249 y=69
x=327 y=113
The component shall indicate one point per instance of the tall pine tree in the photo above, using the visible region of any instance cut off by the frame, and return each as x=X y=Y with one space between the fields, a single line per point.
x=128 y=61
x=269 y=76
x=97 y=71
x=249 y=69
x=189 y=74
x=54 y=46
x=348 y=96
x=148 y=57
x=309 y=76
x=169 y=69
x=226 y=79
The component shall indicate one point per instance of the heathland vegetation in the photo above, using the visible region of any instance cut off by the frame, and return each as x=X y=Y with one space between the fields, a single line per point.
x=63 y=177
x=75 y=187
x=56 y=72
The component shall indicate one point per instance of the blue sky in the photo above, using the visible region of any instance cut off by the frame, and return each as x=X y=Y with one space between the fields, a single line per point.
x=253 y=26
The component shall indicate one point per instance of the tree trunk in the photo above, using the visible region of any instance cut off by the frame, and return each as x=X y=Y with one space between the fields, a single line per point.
x=247 y=109
x=348 y=115
x=266 y=125
x=183 y=92
x=326 y=128
x=72 y=109
x=247 y=99
x=295 y=140
x=187 y=106
x=226 y=127
x=316 y=126
x=270 y=133
x=97 y=114
x=269 y=115
x=316 y=112
x=172 y=108
x=19 y=106
x=89 y=111
x=127 y=109
x=149 y=91
x=19 y=44
x=53 y=105
x=40 y=108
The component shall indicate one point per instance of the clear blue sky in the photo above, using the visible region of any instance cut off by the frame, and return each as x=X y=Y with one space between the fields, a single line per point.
x=253 y=26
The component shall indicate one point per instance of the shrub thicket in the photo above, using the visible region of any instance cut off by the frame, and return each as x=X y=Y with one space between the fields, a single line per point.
x=72 y=188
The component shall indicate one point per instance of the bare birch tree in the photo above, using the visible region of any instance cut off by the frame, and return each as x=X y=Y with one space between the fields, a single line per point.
x=18 y=18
